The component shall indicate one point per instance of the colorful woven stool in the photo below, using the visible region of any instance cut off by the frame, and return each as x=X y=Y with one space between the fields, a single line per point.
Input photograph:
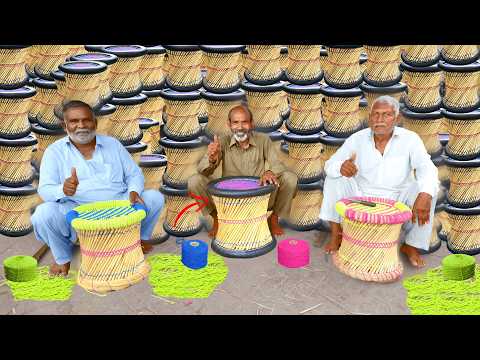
x=463 y=134
x=460 y=54
x=370 y=236
x=15 y=206
x=15 y=159
x=303 y=66
x=151 y=68
x=12 y=66
x=222 y=62
x=181 y=114
x=14 y=108
x=264 y=102
x=463 y=236
x=242 y=206
x=262 y=66
x=125 y=79
x=342 y=66
x=124 y=124
x=464 y=191
x=184 y=63
x=305 y=108
x=426 y=125
x=109 y=236
x=420 y=55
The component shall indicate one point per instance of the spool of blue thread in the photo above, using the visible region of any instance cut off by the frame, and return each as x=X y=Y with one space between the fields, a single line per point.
x=194 y=254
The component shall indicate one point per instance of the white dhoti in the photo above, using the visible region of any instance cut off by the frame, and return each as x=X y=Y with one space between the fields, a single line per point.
x=335 y=189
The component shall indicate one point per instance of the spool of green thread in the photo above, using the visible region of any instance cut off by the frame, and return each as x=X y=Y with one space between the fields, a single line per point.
x=20 y=268
x=458 y=267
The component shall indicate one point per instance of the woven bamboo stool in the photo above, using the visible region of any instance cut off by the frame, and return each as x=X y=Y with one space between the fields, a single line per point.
x=341 y=113
x=370 y=236
x=183 y=157
x=423 y=87
x=203 y=111
x=15 y=206
x=124 y=121
x=125 y=79
x=111 y=252
x=330 y=145
x=103 y=118
x=15 y=159
x=443 y=174
x=175 y=201
x=49 y=57
x=305 y=207
x=108 y=59
x=153 y=167
x=303 y=65
x=463 y=134
x=75 y=49
x=184 y=62
x=464 y=191
x=218 y=107
x=264 y=102
x=12 y=66
x=222 y=63
x=463 y=237
x=152 y=108
x=14 y=109
x=83 y=80
x=45 y=137
x=48 y=99
x=342 y=66
x=159 y=235
x=146 y=126
x=31 y=59
x=304 y=152
x=242 y=206
x=181 y=114
x=243 y=63
x=426 y=125
x=460 y=54
x=262 y=65
x=136 y=151
x=420 y=55
x=373 y=92
x=151 y=68
x=382 y=66
x=461 y=86
x=59 y=78
x=305 y=108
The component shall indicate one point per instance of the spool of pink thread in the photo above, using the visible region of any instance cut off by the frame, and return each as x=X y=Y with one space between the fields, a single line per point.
x=293 y=253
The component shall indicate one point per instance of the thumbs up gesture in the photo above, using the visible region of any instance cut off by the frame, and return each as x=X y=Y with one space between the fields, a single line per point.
x=214 y=150
x=70 y=184
x=348 y=168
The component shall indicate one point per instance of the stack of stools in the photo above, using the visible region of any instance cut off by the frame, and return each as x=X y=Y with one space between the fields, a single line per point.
x=17 y=194
x=382 y=73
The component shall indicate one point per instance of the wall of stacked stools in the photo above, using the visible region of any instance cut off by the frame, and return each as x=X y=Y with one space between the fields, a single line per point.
x=166 y=103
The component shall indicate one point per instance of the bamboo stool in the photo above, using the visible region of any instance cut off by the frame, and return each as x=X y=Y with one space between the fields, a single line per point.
x=31 y=59
x=463 y=237
x=109 y=236
x=373 y=92
x=15 y=206
x=342 y=66
x=48 y=99
x=222 y=62
x=152 y=108
x=420 y=55
x=153 y=167
x=218 y=107
x=136 y=151
x=370 y=236
x=151 y=68
x=45 y=137
x=426 y=125
x=464 y=191
x=382 y=66
x=103 y=119
x=14 y=109
x=305 y=108
x=264 y=101
x=146 y=126
x=124 y=124
x=443 y=174
x=75 y=49
x=125 y=79
x=242 y=206
x=423 y=87
x=463 y=134
x=49 y=57
x=15 y=161
x=12 y=66
x=181 y=114
x=460 y=54
x=262 y=65
x=303 y=66
x=159 y=235
x=184 y=62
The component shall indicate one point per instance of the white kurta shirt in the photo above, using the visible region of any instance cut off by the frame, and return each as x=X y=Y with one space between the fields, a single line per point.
x=390 y=174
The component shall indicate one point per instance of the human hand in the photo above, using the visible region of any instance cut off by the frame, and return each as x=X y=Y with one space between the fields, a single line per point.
x=214 y=149
x=421 y=209
x=348 y=168
x=268 y=178
x=70 y=184
x=135 y=198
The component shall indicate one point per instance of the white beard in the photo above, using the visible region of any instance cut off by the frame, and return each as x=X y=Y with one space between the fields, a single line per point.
x=240 y=136
x=82 y=137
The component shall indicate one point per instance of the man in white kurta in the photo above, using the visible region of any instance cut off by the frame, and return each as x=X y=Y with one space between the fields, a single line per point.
x=380 y=161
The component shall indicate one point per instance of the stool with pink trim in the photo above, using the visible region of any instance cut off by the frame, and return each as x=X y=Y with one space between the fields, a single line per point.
x=370 y=237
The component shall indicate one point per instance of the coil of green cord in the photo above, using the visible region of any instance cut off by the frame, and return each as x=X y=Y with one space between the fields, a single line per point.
x=458 y=267
x=20 y=268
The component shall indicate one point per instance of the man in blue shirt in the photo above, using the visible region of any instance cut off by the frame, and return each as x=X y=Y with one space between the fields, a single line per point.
x=84 y=167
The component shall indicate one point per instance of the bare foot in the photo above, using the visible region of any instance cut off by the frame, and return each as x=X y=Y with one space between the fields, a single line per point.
x=146 y=247
x=212 y=233
x=59 y=270
x=334 y=244
x=413 y=255
x=275 y=228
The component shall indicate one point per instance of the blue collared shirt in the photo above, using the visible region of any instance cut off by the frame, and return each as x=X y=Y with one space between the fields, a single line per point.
x=110 y=174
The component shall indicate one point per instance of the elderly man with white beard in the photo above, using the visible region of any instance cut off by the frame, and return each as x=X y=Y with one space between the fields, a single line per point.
x=84 y=167
x=246 y=153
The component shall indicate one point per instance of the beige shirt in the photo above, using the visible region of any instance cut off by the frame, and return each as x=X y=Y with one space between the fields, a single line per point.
x=260 y=156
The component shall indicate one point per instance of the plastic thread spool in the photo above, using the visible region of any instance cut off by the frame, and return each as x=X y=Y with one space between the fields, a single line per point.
x=194 y=254
x=293 y=253
x=20 y=268
x=458 y=267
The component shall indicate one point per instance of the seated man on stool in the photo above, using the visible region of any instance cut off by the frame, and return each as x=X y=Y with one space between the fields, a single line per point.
x=245 y=153
x=81 y=168
x=380 y=161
